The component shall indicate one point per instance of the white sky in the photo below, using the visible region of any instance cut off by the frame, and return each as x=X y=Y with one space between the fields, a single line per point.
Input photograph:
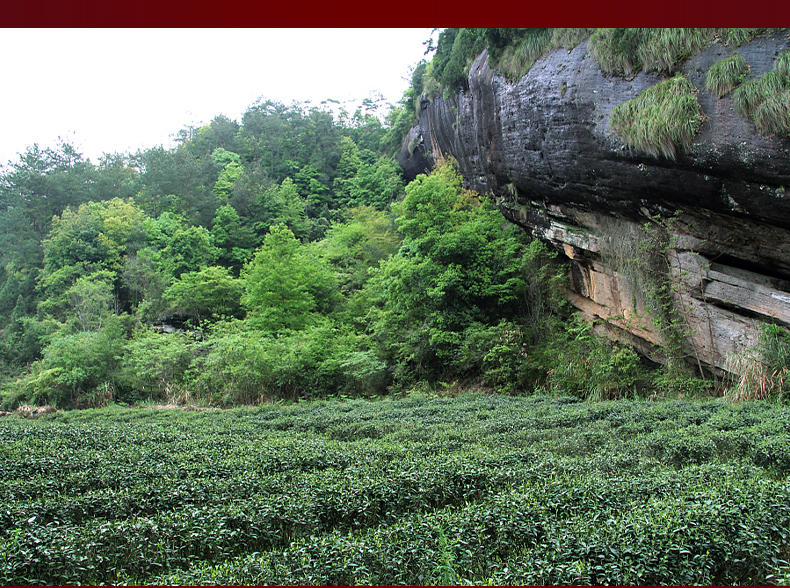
x=113 y=90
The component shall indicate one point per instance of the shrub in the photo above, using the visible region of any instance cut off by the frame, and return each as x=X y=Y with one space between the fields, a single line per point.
x=248 y=367
x=581 y=364
x=498 y=353
x=764 y=371
x=723 y=76
x=74 y=367
x=661 y=118
x=154 y=364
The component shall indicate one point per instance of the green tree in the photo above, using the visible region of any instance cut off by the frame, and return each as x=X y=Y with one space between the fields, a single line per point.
x=118 y=176
x=286 y=285
x=91 y=300
x=41 y=185
x=232 y=237
x=265 y=135
x=347 y=169
x=309 y=181
x=146 y=284
x=352 y=248
x=175 y=180
x=282 y=205
x=246 y=194
x=154 y=363
x=209 y=293
x=190 y=250
x=378 y=184
x=457 y=267
x=220 y=133
x=97 y=236
x=365 y=130
x=230 y=163
x=226 y=180
x=75 y=365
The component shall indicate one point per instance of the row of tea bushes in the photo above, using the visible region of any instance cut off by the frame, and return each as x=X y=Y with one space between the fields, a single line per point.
x=421 y=490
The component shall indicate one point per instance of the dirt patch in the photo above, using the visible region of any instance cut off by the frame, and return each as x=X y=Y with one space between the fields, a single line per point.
x=188 y=407
x=31 y=411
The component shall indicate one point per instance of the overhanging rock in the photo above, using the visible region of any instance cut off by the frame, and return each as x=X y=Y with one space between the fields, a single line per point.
x=543 y=148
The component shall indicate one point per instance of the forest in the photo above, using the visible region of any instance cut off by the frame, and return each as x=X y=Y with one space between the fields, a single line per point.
x=280 y=257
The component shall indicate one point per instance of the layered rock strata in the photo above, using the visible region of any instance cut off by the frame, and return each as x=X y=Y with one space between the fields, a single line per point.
x=714 y=224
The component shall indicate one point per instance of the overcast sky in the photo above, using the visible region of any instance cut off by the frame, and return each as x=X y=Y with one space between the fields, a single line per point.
x=112 y=90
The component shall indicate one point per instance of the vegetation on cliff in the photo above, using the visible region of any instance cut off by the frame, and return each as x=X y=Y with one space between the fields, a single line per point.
x=620 y=52
x=726 y=74
x=766 y=100
x=661 y=119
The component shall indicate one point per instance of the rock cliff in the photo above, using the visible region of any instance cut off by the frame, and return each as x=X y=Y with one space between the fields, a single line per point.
x=705 y=237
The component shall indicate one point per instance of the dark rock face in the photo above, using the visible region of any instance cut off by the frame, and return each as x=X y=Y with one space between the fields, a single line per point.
x=542 y=146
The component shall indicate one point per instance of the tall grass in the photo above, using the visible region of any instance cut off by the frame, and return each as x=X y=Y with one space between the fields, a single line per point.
x=766 y=100
x=665 y=49
x=569 y=38
x=764 y=371
x=533 y=46
x=516 y=59
x=726 y=74
x=753 y=93
x=782 y=65
x=660 y=119
x=738 y=37
x=616 y=50
x=772 y=117
x=628 y=51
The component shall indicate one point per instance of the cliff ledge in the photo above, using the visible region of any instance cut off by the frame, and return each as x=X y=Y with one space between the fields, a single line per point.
x=704 y=237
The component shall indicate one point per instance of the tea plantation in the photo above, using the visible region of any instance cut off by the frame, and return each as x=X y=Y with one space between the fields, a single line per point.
x=421 y=490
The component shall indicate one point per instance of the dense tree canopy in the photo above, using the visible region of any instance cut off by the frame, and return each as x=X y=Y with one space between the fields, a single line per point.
x=279 y=256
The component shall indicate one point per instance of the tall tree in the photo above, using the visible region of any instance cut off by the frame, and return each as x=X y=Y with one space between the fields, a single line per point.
x=285 y=284
x=208 y=293
x=235 y=240
x=457 y=267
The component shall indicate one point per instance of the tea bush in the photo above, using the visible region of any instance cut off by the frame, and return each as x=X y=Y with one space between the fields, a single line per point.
x=420 y=490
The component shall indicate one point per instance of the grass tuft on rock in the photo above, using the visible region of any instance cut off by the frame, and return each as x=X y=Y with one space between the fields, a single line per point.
x=738 y=37
x=725 y=75
x=569 y=38
x=616 y=50
x=516 y=59
x=628 y=51
x=660 y=119
x=665 y=49
x=772 y=117
x=766 y=100
x=753 y=93
x=782 y=65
